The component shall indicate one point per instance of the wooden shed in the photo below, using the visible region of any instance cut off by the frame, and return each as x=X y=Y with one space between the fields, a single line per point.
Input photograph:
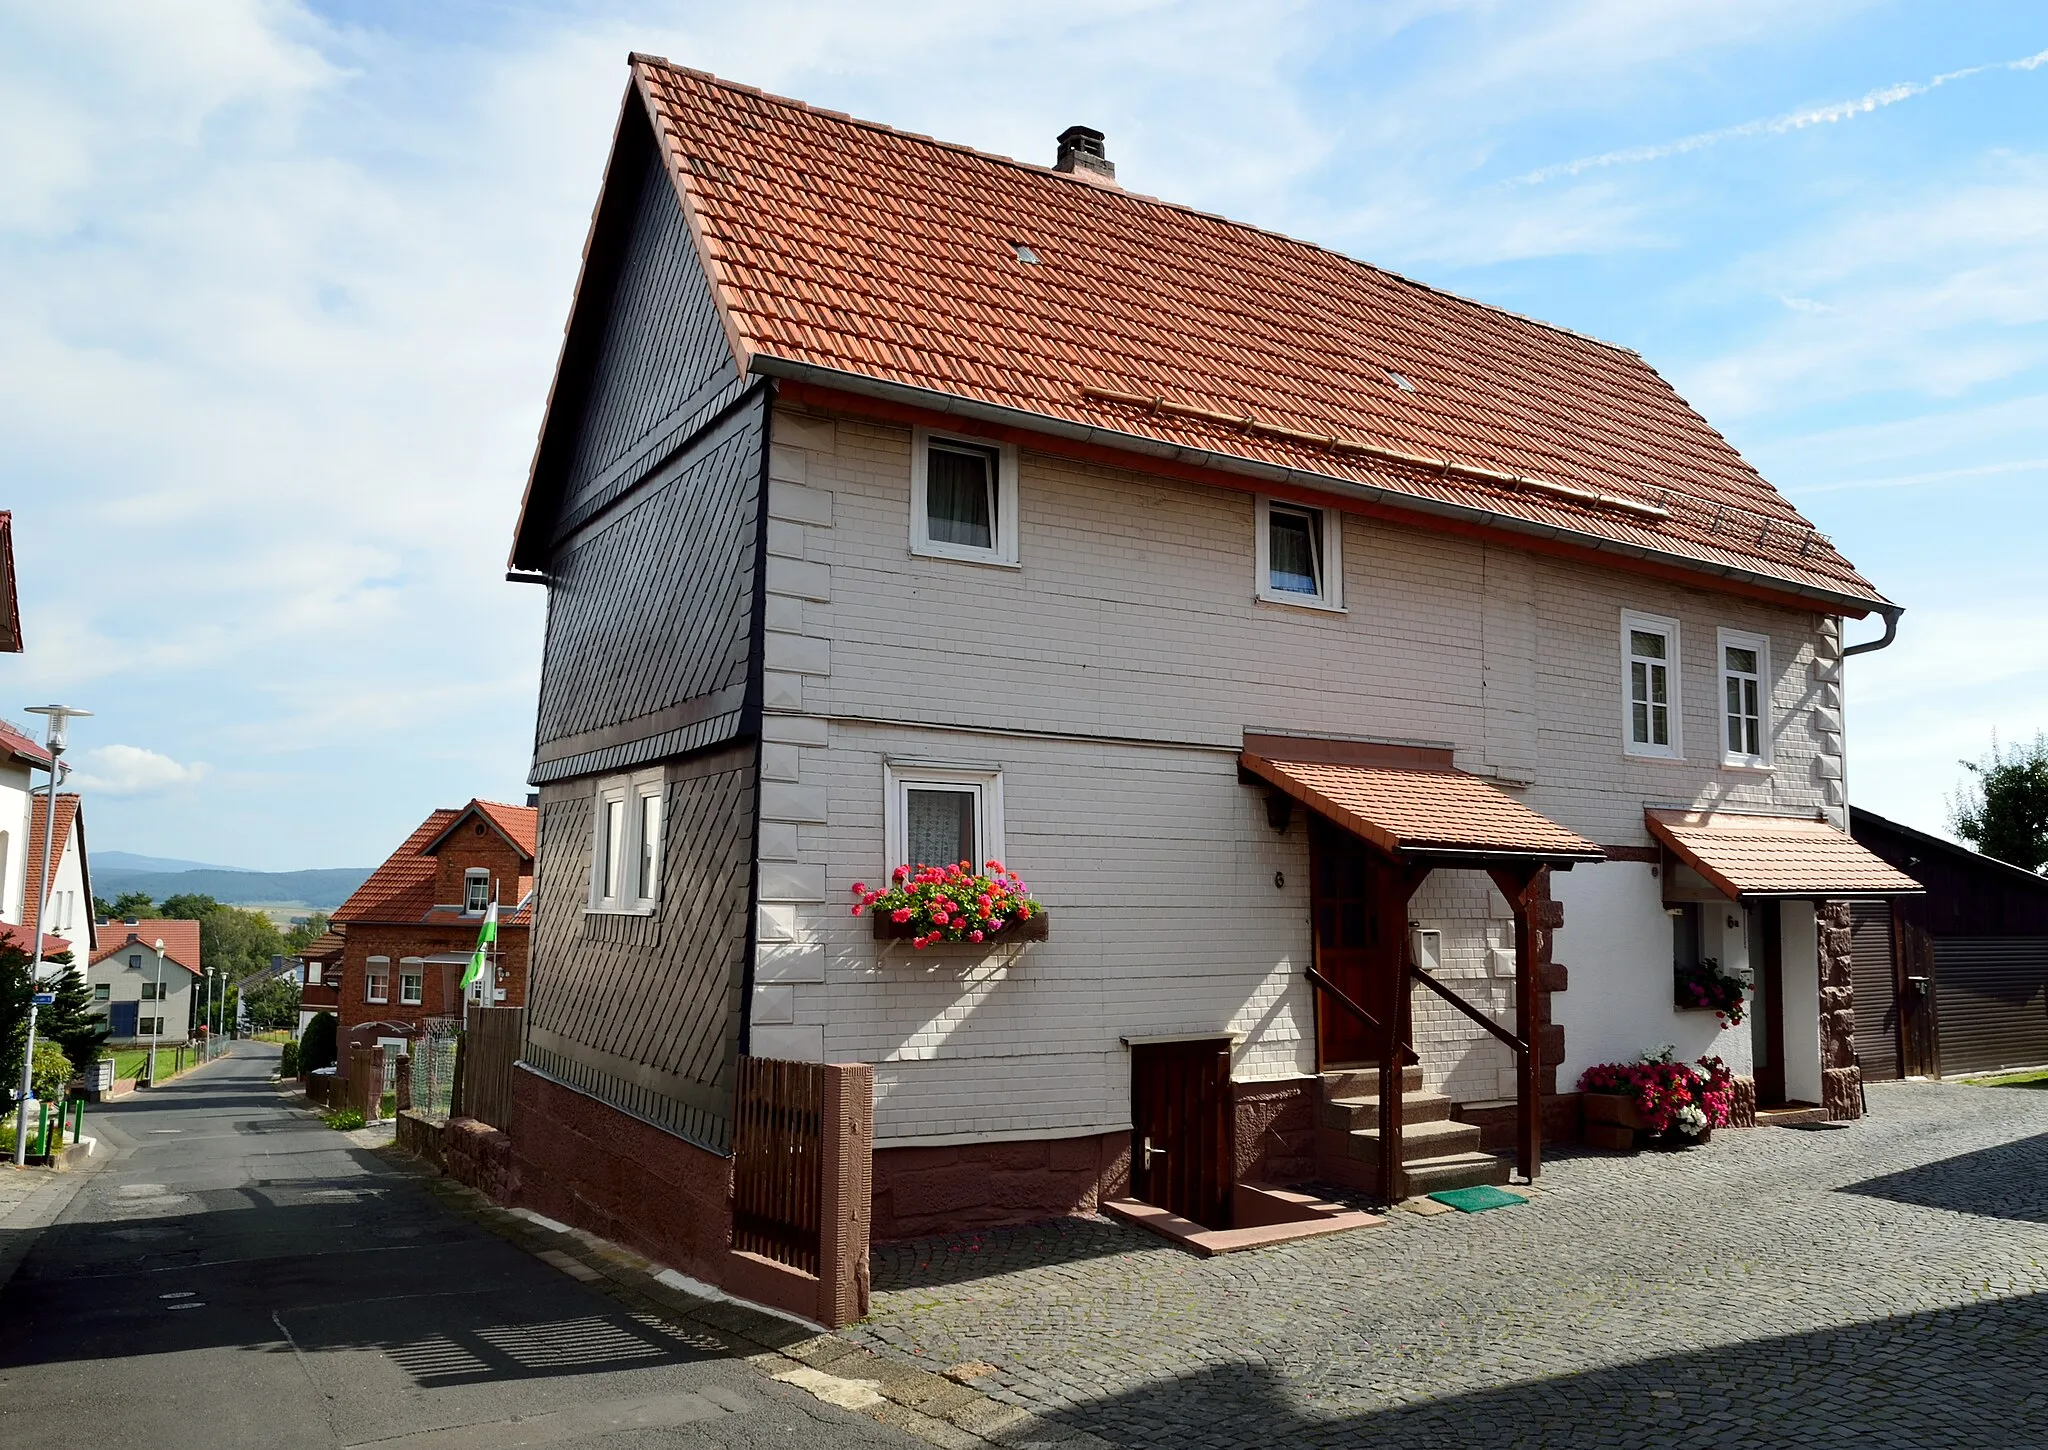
x=1956 y=981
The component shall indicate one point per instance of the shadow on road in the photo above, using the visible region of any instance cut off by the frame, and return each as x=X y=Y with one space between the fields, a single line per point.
x=2008 y=1181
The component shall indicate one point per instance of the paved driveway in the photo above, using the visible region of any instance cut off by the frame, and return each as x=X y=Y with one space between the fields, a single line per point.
x=1872 y=1284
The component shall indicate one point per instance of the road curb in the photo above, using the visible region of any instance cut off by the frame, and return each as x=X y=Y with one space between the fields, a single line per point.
x=941 y=1408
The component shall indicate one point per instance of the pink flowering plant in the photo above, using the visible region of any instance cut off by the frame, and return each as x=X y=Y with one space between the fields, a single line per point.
x=1672 y=1096
x=950 y=903
x=1704 y=987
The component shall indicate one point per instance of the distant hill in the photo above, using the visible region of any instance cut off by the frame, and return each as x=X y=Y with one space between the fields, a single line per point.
x=320 y=890
x=129 y=861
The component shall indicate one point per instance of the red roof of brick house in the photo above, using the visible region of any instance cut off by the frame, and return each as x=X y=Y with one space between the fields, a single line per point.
x=38 y=817
x=850 y=256
x=323 y=947
x=402 y=889
x=180 y=939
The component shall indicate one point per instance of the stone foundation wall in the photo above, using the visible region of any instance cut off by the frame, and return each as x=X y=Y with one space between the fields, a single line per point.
x=1841 y=1082
x=923 y=1191
x=1742 y=1112
x=1276 y=1130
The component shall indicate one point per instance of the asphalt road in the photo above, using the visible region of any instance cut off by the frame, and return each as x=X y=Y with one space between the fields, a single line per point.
x=238 y=1274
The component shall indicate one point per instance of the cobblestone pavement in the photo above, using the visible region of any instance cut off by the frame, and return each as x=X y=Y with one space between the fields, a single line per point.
x=1872 y=1284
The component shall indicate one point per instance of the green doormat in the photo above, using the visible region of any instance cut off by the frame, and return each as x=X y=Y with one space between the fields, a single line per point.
x=1478 y=1199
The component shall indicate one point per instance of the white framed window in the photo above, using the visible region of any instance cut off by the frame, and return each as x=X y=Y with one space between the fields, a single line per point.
x=412 y=981
x=963 y=498
x=1745 y=699
x=377 y=980
x=938 y=814
x=102 y=991
x=1300 y=554
x=1649 y=687
x=153 y=991
x=312 y=974
x=626 y=843
x=476 y=890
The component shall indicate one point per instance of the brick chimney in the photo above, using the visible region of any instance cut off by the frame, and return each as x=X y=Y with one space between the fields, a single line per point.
x=1082 y=155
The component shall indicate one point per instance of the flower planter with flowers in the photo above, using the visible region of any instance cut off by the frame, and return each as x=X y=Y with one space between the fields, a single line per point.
x=1704 y=987
x=1655 y=1101
x=938 y=905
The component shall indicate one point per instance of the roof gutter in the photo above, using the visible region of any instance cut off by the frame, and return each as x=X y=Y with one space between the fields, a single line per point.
x=1853 y=605
x=1891 y=615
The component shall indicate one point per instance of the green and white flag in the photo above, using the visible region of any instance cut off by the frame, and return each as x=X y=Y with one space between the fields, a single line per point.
x=484 y=939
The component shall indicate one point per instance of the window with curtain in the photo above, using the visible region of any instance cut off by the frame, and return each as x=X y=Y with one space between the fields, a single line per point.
x=939 y=825
x=960 y=495
x=1745 y=731
x=1650 y=665
x=1298 y=559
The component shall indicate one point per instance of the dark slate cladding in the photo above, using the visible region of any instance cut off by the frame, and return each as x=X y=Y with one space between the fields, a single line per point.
x=655 y=364
x=644 y=1013
x=650 y=612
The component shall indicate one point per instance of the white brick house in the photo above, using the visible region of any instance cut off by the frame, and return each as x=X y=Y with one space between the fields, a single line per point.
x=881 y=476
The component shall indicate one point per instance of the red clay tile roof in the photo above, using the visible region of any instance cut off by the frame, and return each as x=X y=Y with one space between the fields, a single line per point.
x=518 y=824
x=1409 y=809
x=1776 y=856
x=14 y=936
x=38 y=817
x=180 y=939
x=322 y=947
x=22 y=746
x=402 y=889
x=885 y=258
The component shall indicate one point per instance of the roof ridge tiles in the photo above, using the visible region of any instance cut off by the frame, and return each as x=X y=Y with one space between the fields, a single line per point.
x=1097 y=188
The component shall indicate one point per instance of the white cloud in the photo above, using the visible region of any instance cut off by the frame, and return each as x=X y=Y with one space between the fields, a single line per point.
x=132 y=770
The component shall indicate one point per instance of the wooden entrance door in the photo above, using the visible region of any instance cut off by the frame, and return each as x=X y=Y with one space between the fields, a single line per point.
x=1919 y=1013
x=1346 y=928
x=1182 y=1138
x=1767 y=1027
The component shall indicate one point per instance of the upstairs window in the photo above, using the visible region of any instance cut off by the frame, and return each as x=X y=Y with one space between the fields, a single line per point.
x=963 y=499
x=411 y=987
x=377 y=980
x=1650 y=703
x=135 y=961
x=1299 y=555
x=940 y=815
x=476 y=891
x=1745 y=702
x=626 y=854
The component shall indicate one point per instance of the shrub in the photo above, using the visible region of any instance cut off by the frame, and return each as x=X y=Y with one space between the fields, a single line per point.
x=343 y=1120
x=288 y=1060
x=51 y=1072
x=950 y=903
x=317 y=1048
x=387 y=1106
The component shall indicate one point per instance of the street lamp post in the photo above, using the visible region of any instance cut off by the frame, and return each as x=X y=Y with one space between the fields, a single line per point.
x=157 y=1022
x=56 y=736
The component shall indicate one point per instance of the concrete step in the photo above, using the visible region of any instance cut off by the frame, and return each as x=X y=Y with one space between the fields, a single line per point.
x=1348 y=1113
x=1455 y=1170
x=1433 y=1139
x=1352 y=1082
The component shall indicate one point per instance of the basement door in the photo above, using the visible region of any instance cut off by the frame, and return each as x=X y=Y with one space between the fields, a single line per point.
x=1182 y=1134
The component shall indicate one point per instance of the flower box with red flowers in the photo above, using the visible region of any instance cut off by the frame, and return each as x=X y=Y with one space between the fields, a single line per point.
x=1656 y=1100
x=952 y=905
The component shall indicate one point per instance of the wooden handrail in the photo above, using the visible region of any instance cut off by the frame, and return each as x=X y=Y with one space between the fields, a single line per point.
x=1372 y=1023
x=1468 y=1009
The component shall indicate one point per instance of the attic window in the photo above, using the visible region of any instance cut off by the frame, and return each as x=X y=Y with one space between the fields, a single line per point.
x=1024 y=253
x=1398 y=381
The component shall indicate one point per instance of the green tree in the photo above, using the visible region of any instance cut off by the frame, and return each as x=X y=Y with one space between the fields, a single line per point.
x=237 y=941
x=135 y=904
x=306 y=933
x=2002 y=805
x=272 y=1003
x=70 y=1022
x=14 y=1000
x=317 y=1045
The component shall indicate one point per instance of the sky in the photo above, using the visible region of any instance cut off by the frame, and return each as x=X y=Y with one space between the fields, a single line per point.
x=282 y=287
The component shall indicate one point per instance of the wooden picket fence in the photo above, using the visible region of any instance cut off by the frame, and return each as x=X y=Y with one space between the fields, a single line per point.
x=483 y=1078
x=778 y=1160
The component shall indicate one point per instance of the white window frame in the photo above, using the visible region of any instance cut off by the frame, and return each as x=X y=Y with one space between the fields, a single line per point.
x=1724 y=641
x=1004 y=553
x=375 y=970
x=628 y=791
x=469 y=879
x=1632 y=621
x=102 y=991
x=899 y=777
x=412 y=982
x=1331 y=596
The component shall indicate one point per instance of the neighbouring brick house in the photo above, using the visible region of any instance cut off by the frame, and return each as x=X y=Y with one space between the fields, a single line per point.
x=407 y=934
x=1286 y=623
x=320 y=980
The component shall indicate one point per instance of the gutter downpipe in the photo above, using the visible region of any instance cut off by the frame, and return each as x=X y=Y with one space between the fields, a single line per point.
x=1891 y=632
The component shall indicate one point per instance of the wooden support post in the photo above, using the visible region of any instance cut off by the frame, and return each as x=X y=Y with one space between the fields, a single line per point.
x=1394 y=884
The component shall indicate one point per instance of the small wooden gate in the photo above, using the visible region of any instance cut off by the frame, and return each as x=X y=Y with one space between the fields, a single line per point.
x=490 y=1050
x=1182 y=1129
x=778 y=1164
